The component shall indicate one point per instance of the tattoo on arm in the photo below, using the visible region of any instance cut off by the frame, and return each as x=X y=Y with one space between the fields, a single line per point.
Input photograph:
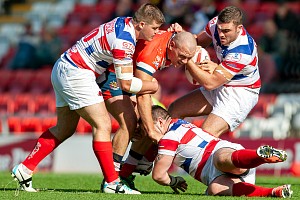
x=158 y=157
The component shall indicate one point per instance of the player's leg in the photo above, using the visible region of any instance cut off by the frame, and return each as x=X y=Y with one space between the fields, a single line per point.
x=215 y=125
x=237 y=161
x=231 y=186
x=137 y=151
x=49 y=140
x=121 y=105
x=122 y=109
x=97 y=116
x=66 y=125
x=190 y=105
x=231 y=106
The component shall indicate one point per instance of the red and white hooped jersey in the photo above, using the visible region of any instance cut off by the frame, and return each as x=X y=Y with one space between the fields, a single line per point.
x=111 y=42
x=190 y=146
x=239 y=58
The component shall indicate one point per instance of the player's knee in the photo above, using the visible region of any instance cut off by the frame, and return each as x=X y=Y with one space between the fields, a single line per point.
x=220 y=162
x=217 y=189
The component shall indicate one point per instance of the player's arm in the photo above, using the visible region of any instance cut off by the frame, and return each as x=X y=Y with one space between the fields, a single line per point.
x=144 y=105
x=160 y=174
x=162 y=164
x=203 y=39
x=131 y=84
x=219 y=77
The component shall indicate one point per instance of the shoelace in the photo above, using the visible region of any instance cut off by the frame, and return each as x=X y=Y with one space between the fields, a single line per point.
x=17 y=191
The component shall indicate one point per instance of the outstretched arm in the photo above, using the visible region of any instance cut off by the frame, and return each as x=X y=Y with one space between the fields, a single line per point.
x=144 y=105
x=161 y=176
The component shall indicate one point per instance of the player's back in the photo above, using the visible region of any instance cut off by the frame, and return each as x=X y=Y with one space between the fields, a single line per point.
x=151 y=55
x=187 y=143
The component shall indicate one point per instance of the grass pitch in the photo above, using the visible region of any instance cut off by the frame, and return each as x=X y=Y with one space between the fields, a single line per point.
x=86 y=186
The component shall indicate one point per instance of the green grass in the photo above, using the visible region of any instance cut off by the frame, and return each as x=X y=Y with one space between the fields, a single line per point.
x=86 y=186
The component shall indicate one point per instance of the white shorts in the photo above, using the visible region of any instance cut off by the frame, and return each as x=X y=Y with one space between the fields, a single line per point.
x=210 y=172
x=232 y=104
x=74 y=87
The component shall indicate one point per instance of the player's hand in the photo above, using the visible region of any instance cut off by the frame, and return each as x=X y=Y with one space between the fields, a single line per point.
x=138 y=133
x=178 y=183
x=155 y=136
x=175 y=28
x=208 y=66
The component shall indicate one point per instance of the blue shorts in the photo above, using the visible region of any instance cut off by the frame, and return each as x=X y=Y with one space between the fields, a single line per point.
x=110 y=87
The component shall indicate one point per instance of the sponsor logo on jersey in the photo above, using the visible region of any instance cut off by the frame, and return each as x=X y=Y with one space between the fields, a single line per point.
x=234 y=57
x=110 y=27
x=113 y=85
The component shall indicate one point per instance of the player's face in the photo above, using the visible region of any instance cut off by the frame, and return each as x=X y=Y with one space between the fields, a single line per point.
x=228 y=32
x=179 y=56
x=148 y=31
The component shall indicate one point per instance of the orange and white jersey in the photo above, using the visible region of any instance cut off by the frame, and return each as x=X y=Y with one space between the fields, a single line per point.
x=152 y=56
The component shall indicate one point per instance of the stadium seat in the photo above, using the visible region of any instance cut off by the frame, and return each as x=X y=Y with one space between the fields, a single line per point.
x=41 y=81
x=83 y=127
x=14 y=125
x=48 y=122
x=21 y=81
x=24 y=103
x=6 y=77
x=31 y=125
x=6 y=104
x=45 y=104
x=105 y=8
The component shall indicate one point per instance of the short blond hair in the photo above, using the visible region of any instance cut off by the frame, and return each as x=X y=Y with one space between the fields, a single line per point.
x=149 y=13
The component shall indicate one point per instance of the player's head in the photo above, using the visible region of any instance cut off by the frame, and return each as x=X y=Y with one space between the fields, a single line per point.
x=147 y=19
x=161 y=119
x=229 y=24
x=181 y=48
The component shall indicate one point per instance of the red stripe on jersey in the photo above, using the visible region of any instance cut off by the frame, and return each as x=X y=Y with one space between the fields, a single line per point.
x=118 y=54
x=243 y=31
x=207 y=152
x=104 y=43
x=168 y=144
x=257 y=84
x=127 y=20
x=78 y=60
x=207 y=29
x=254 y=61
x=233 y=66
x=188 y=136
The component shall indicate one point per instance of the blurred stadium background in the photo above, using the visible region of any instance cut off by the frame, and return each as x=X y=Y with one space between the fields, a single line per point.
x=33 y=33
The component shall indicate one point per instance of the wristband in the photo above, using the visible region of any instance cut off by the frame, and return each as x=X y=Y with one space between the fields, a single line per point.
x=136 y=85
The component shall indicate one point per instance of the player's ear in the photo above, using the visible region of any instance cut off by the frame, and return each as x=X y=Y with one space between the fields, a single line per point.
x=239 y=27
x=141 y=24
x=172 y=44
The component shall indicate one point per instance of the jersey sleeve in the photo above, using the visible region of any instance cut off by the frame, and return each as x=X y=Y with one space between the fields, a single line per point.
x=210 y=26
x=122 y=51
x=168 y=144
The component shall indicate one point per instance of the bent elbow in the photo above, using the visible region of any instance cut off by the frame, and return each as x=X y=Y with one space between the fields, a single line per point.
x=124 y=85
x=208 y=87
x=156 y=177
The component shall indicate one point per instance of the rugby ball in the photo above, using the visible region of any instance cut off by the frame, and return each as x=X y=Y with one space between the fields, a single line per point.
x=200 y=55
